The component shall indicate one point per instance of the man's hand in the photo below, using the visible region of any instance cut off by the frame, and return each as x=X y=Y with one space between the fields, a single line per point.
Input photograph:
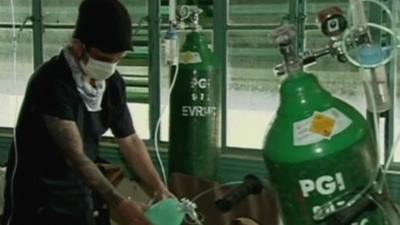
x=162 y=193
x=129 y=213
x=136 y=154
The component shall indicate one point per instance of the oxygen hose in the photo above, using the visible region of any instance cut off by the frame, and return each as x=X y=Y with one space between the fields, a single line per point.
x=361 y=200
x=323 y=212
x=365 y=67
x=169 y=39
x=250 y=185
x=168 y=98
x=201 y=194
x=368 y=86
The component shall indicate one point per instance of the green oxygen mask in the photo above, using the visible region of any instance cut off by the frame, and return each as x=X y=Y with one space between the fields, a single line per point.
x=170 y=210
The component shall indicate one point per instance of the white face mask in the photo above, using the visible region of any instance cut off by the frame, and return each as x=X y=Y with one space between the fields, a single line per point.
x=98 y=70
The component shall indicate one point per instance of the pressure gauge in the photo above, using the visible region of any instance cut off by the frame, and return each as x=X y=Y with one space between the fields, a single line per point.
x=183 y=12
x=332 y=21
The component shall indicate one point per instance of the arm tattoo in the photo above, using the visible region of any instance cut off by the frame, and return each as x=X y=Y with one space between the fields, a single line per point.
x=66 y=136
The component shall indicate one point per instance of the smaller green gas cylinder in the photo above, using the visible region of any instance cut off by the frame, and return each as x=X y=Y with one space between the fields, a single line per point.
x=318 y=150
x=194 y=130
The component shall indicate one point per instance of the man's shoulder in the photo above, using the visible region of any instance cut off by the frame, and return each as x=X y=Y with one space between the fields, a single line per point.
x=116 y=81
x=54 y=71
x=115 y=89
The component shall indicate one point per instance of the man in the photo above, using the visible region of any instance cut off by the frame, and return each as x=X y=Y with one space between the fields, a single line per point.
x=71 y=100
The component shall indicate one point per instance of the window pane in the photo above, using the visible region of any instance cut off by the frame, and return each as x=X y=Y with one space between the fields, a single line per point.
x=22 y=9
x=257 y=11
x=60 y=11
x=137 y=9
x=54 y=40
x=341 y=79
x=313 y=7
x=66 y=12
x=252 y=87
x=13 y=81
x=140 y=117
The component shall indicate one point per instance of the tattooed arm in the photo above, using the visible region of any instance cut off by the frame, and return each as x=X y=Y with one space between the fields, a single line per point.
x=66 y=135
x=135 y=153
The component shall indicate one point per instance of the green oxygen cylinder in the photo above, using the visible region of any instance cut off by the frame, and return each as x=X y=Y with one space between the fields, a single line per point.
x=319 y=152
x=195 y=105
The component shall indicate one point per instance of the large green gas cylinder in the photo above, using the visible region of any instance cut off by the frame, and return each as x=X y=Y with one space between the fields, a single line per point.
x=194 y=130
x=318 y=150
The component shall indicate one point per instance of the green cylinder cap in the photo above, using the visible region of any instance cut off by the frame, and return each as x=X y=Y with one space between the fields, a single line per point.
x=166 y=210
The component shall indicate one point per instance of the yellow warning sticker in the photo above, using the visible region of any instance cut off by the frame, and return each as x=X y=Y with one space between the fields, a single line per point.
x=189 y=57
x=322 y=124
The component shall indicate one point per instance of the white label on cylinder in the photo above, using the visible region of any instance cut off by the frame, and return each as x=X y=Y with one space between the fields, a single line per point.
x=189 y=57
x=320 y=126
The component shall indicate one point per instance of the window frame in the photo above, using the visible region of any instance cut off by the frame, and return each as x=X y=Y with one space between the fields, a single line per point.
x=220 y=26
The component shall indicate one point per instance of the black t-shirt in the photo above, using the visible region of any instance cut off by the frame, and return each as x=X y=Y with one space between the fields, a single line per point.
x=43 y=177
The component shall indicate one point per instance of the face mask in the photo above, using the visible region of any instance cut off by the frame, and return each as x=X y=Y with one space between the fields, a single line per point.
x=98 y=70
